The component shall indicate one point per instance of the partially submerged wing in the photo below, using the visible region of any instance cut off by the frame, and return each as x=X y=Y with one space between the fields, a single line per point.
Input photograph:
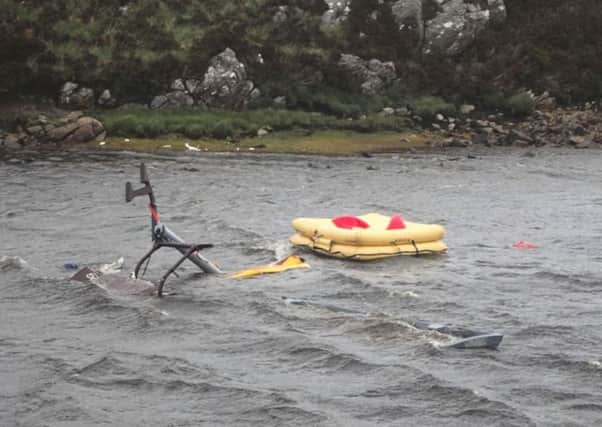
x=115 y=282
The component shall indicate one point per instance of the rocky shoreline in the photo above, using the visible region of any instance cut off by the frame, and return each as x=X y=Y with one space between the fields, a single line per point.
x=580 y=127
x=548 y=125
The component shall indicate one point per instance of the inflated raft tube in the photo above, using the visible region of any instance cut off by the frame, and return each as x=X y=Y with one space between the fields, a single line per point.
x=372 y=229
x=366 y=253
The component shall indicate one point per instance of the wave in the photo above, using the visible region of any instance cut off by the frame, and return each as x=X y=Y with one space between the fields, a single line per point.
x=277 y=414
x=574 y=281
x=225 y=229
x=431 y=398
x=588 y=371
x=326 y=359
x=539 y=331
x=378 y=327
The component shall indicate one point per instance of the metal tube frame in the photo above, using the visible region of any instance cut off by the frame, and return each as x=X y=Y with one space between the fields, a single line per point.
x=185 y=248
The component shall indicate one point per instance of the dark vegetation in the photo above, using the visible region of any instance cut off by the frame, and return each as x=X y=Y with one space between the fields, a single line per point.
x=135 y=48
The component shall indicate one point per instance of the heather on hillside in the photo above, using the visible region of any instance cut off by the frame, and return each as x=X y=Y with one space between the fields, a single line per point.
x=136 y=48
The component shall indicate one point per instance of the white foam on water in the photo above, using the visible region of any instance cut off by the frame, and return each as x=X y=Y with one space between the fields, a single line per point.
x=7 y=262
x=281 y=248
x=595 y=363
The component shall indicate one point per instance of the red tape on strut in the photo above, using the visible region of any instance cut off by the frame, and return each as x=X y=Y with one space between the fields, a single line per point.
x=154 y=213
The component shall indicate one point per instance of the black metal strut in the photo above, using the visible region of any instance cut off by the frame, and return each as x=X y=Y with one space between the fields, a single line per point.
x=163 y=237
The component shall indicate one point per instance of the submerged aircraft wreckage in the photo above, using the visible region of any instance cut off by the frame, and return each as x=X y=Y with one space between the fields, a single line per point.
x=357 y=242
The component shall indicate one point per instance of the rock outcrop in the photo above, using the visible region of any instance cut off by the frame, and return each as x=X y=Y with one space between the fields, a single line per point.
x=372 y=76
x=224 y=85
x=106 y=99
x=457 y=23
x=76 y=97
x=51 y=130
x=441 y=27
x=337 y=12
x=174 y=99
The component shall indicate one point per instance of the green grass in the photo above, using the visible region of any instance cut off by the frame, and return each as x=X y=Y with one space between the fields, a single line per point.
x=290 y=142
x=228 y=125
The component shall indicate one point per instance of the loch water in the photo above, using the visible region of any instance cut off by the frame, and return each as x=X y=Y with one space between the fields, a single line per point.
x=329 y=346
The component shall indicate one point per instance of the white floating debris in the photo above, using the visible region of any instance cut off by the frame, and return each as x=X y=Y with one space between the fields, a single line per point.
x=410 y=294
x=166 y=146
x=126 y=140
x=102 y=143
x=191 y=147
x=113 y=267
x=251 y=148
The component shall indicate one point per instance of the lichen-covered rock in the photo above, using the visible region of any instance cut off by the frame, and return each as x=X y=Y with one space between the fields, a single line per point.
x=373 y=76
x=279 y=102
x=497 y=11
x=281 y=14
x=175 y=99
x=75 y=97
x=225 y=83
x=440 y=27
x=190 y=86
x=456 y=25
x=106 y=99
x=337 y=12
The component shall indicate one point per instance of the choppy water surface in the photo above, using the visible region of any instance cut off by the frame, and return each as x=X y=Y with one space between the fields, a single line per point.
x=240 y=353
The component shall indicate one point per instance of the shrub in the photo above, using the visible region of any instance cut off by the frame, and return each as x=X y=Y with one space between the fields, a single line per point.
x=520 y=104
x=429 y=106
x=223 y=129
x=195 y=131
x=494 y=100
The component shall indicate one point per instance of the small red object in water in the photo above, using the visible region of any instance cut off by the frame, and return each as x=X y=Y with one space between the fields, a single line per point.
x=350 y=222
x=396 y=223
x=521 y=244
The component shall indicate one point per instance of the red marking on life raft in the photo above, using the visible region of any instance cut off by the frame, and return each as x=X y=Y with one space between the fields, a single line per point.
x=521 y=244
x=396 y=223
x=349 y=222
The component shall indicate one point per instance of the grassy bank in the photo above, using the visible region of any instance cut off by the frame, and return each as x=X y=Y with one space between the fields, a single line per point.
x=196 y=124
x=282 y=131
x=330 y=142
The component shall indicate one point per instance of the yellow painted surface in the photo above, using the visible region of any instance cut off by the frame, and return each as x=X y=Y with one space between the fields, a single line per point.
x=288 y=263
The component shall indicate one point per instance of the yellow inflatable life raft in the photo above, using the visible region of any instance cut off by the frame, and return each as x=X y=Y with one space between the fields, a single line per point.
x=368 y=237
